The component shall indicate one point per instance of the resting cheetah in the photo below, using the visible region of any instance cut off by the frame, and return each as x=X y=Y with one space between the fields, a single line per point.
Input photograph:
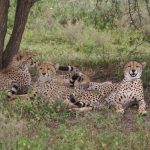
x=50 y=86
x=52 y=89
x=128 y=91
x=16 y=77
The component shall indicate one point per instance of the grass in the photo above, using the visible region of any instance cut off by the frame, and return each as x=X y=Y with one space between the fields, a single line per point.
x=52 y=128
x=65 y=32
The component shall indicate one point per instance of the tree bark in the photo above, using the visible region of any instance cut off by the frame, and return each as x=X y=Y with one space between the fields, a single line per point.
x=4 y=6
x=22 y=11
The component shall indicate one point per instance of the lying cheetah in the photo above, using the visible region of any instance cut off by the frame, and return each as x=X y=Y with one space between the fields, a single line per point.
x=128 y=91
x=52 y=89
x=51 y=86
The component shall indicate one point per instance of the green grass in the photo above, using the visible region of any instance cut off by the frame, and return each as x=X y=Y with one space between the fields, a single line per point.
x=51 y=33
x=23 y=128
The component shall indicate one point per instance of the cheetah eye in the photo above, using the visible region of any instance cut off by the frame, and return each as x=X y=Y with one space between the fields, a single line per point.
x=48 y=68
x=137 y=66
x=129 y=66
x=40 y=68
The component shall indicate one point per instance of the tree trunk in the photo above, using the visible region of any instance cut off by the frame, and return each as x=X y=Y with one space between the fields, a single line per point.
x=147 y=6
x=4 y=6
x=22 y=11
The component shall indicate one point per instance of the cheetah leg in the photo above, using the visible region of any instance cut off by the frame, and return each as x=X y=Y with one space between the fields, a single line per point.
x=118 y=104
x=142 y=106
x=83 y=109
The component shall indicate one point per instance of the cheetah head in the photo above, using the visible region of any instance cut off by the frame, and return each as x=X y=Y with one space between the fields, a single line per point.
x=25 y=58
x=46 y=71
x=133 y=70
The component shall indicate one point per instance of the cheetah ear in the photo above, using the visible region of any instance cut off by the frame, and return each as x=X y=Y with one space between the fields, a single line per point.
x=122 y=64
x=143 y=64
x=38 y=64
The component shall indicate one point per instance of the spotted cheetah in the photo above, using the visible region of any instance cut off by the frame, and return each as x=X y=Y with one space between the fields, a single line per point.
x=52 y=90
x=16 y=77
x=50 y=85
x=129 y=90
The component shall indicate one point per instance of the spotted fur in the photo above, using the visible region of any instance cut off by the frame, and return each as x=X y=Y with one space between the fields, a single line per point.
x=17 y=72
x=120 y=95
x=51 y=86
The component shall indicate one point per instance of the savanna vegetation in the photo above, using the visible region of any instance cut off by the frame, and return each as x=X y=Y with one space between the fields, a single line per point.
x=94 y=35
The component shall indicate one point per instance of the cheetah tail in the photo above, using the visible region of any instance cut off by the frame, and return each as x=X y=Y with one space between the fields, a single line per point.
x=74 y=78
x=65 y=68
x=13 y=91
x=76 y=102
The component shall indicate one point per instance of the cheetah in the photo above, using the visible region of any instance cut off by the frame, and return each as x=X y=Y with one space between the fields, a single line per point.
x=16 y=77
x=52 y=89
x=130 y=89
x=50 y=85
x=121 y=95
